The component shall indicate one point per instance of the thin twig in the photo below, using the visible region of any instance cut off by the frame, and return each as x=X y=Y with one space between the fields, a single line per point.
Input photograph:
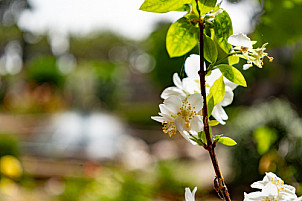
x=210 y=146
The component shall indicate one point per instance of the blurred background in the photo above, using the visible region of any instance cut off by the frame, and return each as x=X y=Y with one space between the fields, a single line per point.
x=79 y=81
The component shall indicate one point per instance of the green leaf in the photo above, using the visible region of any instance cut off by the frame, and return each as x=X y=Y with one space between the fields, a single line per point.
x=211 y=133
x=223 y=30
x=163 y=6
x=227 y=141
x=234 y=59
x=184 y=8
x=182 y=37
x=203 y=137
x=218 y=90
x=192 y=17
x=205 y=6
x=217 y=137
x=210 y=51
x=210 y=103
x=213 y=123
x=232 y=74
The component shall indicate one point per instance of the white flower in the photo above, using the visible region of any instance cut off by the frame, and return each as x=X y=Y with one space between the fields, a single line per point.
x=272 y=189
x=240 y=41
x=183 y=88
x=190 y=196
x=191 y=85
x=258 y=55
x=181 y=115
x=188 y=85
x=245 y=45
x=192 y=68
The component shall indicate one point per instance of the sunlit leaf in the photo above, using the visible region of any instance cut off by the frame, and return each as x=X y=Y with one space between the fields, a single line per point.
x=210 y=51
x=205 y=6
x=211 y=133
x=213 y=123
x=163 y=6
x=182 y=37
x=234 y=59
x=203 y=137
x=210 y=103
x=227 y=141
x=223 y=30
x=232 y=74
x=218 y=90
x=217 y=137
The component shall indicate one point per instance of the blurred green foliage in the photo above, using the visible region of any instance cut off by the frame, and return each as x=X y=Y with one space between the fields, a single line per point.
x=44 y=70
x=73 y=188
x=9 y=145
x=265 y=137
x=269 y=137
x=97 y=46
x=118 y=184
x=279 y=24
x=8 y=34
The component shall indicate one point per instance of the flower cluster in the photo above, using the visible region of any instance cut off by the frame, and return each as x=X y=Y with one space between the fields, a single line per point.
x=253 y=56
x=182 y=107
x=181 y=115
x=272 y=189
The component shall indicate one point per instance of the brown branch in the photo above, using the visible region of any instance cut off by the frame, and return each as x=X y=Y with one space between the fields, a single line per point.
x=209 y=146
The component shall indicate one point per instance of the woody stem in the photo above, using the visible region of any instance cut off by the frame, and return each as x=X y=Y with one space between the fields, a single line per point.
x=209 y=146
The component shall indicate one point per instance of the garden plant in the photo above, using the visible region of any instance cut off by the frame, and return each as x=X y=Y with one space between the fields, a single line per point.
x=196 y=103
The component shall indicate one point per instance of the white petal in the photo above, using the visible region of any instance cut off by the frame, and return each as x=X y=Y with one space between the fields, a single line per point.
x=192 y=66
x=230 y=84
x=190 y=196
x=196 y=124
x=270 y=190
x=240 y=40
x=228 y=97
x=299 y=198
x=268 y=176
x=173 y=91
x=163 y=109
x=258 y=185
x=196 y=101
x=180 y=124
x=186 y=135
x=246 y=197
x=219 y=114
x=215 y=74
x=287 y=195
x=190 y=85
x=247 y=66
x=167 y=117
x=173 y=104
x=158 y=118
x=289 y=189
x=181 y=127
x=254 y=196
x=177 y=81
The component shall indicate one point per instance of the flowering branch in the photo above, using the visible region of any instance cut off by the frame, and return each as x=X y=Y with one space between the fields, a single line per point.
x=189 y=104
x=209 y=146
